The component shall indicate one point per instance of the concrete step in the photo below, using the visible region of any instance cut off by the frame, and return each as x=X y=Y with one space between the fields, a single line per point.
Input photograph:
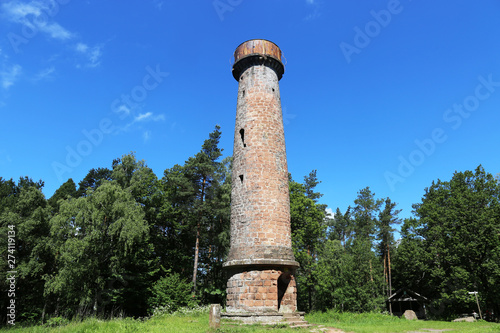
x=305 y=325
x=294 y=320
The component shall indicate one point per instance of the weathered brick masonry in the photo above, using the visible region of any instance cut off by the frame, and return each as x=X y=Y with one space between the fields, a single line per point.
x=261 y=264
x=261 y=290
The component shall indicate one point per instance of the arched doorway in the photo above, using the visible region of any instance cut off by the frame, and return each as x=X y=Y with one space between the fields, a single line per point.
x=283 y=282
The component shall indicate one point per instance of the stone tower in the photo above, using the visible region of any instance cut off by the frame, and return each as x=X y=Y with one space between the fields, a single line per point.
x=261 y=265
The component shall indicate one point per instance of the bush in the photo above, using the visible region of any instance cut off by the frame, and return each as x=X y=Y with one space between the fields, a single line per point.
x=170 y=293
x=56 y=321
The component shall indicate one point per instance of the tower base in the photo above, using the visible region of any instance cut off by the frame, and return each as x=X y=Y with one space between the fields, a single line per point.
x=268 y=318
x=257 y=289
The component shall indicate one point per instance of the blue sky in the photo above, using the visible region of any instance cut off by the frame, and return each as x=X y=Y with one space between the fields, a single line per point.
x=385 y=94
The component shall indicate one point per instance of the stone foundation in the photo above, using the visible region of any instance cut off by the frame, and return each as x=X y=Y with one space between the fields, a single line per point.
x=262 y=317
x=261 y=291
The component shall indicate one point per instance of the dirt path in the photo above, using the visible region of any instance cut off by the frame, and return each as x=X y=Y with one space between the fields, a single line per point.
x=323 y=329
x=431 y=330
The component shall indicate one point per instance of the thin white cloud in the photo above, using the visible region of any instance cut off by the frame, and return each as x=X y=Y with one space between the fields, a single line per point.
x=36 y=16
x=81 y=47
x=18 y=10
x=140 y=118
x=92 y=54
x=158 y=4
x=95 y=56
x=148 y=116
x=143 y=116
x=44 y=74
x=9 y=75
x=330 y=213
x=122 y=110
x=55 y=31
x=315 y=10
x=146 y=136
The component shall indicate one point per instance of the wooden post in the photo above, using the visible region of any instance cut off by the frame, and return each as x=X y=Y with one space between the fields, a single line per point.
x=215 y=315
x=477 y=301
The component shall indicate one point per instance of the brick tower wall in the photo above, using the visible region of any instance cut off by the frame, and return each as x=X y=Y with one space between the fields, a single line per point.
x=260 y=204
x=260 y=265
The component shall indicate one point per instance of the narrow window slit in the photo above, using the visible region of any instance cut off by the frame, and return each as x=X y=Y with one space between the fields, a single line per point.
x=242 y=134
x=241 y=178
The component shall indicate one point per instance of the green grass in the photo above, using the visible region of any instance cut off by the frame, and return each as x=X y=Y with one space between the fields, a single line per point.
x=197 y=321
x=380 y=323
x=184 y=324
x=180 y=322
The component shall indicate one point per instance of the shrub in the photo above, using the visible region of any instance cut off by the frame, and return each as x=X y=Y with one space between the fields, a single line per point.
x=56 y=321
x=170 y=293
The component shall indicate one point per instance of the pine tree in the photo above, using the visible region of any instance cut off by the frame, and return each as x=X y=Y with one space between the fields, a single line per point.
x=68 y=189
x=387 y=218
x=308 y=228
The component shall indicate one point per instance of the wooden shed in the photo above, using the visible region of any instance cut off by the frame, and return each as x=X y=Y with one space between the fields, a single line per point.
x=405 y=299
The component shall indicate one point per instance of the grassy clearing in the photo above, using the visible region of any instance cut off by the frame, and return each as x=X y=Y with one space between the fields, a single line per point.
x=197 y=321
x=184 y=321
x=181 y=324
x=380 y=323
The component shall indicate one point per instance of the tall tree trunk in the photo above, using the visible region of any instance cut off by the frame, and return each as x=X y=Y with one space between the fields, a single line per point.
x=44 y=310
x=196 y=253
x=197 y=246
x=390 y=279
x=309 y=290
x=371 y=272
x=386 y=286
x=56 y=312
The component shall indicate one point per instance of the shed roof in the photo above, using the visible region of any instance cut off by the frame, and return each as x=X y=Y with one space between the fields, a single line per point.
x=406 y=295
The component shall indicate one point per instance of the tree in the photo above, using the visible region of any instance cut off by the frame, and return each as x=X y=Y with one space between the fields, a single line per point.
x=410 y=266
x=175 y=227
x=387 y=218
x=341 y=226
x=24 y=207
x=365 y=225
x=93 y=179
x=308 y=228
x=192 y=191
x=68 y=189
x=331 y=288
x=344 y=278
x=364 y=280
x=101 y=246
x=8 y=190
x=202 y=171
x=365 y=214
x=310 y=183
x=217 y=242
x=456 y=239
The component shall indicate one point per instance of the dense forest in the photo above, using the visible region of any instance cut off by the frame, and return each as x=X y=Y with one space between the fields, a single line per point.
x=125 y=242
